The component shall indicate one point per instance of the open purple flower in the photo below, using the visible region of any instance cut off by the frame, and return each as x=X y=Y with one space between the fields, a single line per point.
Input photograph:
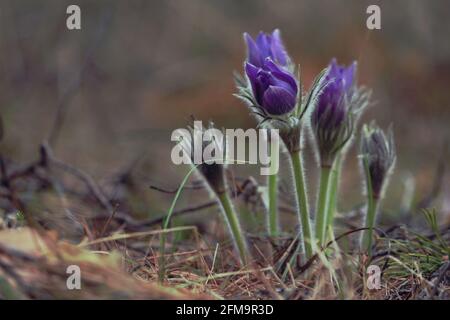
x=274 y=89
x=266 y=45
x=333 y=118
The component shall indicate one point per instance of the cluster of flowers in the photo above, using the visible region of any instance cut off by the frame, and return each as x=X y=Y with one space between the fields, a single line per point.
x=329 y=110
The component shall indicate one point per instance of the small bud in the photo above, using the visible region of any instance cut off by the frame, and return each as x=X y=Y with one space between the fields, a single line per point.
x=336 y=111
x=378 y=156
x=211 y=167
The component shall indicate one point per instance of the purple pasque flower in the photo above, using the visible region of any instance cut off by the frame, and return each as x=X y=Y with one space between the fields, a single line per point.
x=274 y=89
x=332 y=103
x=333 y=118
x=266 y=45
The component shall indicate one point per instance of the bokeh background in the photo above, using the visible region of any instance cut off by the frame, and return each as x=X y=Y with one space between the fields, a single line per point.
x=138 y=69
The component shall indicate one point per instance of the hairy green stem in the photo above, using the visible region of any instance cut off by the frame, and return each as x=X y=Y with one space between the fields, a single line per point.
x=233 y=224
x=322 y=200
x=272 y=181
x=372 y=208
x=333 y=193
x=302 y=202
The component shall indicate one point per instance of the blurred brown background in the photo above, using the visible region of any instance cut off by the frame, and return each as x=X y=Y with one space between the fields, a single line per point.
x=138 y=69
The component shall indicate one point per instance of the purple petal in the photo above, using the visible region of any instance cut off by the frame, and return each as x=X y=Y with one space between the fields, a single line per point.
x=282 y=75
x=278 y=101
x=277 y=48
x=251 y=71
x=349 y=75
x=253 y=53
x=334 y=67
x=343 y=77
x=252 y=74
x=263 y=43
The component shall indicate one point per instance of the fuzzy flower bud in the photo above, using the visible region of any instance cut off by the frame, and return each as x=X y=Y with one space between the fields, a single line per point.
x=210 y=161
x=211 y=166
x=378 y=156
x=334 y=114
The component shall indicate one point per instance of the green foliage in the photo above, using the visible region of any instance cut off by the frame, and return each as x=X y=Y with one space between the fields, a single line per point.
x=432 y=220
x=418 y=255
